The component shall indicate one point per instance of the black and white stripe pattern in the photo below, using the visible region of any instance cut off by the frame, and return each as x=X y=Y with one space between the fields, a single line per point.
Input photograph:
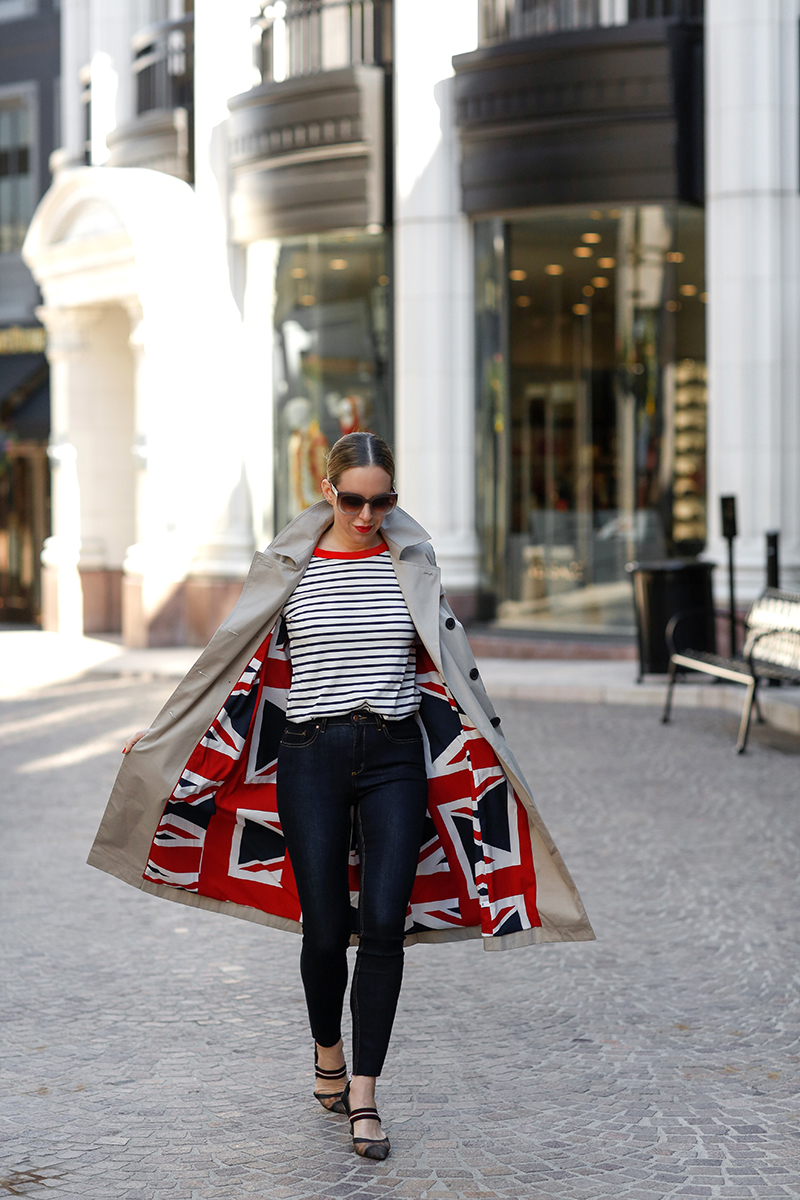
x=351 y=639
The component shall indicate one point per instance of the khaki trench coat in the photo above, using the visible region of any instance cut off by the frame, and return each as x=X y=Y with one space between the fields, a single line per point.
x=150 y=773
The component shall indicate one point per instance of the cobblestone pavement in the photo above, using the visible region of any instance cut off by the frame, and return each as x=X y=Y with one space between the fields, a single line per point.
x=153 y=1052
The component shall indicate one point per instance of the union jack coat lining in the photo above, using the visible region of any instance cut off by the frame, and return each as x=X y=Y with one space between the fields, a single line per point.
x=193 y=818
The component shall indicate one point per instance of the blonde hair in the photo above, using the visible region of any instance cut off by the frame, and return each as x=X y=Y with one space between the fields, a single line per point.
x=359 y=450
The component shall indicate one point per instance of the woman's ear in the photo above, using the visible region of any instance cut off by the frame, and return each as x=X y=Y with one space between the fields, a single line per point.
x=327 y=491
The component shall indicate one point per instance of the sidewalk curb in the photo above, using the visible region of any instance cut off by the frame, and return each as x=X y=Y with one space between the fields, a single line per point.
x=32 y=660
x=778 y=711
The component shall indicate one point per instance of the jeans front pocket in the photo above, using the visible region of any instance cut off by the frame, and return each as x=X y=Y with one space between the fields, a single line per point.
x=299 y=735
x=402 y=733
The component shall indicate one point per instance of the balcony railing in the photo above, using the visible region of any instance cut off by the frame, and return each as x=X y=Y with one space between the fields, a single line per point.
x=305 y=37
x=502 y=20
x=161 y=135
x=163 y=65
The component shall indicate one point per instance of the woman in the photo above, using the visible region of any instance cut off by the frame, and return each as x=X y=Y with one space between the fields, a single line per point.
x=352 y=701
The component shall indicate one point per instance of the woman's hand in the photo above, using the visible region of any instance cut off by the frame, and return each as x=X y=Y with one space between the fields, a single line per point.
x=132 y=740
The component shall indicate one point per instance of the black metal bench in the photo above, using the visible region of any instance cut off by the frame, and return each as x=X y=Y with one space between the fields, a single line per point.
x=771 y=651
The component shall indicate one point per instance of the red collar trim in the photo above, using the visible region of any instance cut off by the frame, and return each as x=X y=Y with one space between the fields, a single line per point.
x=379 y=549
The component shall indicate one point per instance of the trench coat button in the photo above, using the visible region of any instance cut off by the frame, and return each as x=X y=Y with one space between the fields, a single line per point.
x=495 y=722
x=449 y=623
x=474 y=673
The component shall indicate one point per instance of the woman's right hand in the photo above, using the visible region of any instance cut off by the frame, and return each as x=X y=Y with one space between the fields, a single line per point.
x=132 y=740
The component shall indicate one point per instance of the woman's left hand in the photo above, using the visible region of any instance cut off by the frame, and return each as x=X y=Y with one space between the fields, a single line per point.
x=132 y=740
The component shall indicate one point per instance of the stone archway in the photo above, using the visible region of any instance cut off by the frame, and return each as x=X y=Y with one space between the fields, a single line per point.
x=142 y=339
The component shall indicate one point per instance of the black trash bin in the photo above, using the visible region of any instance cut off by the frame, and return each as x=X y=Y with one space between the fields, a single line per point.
x=674 y=598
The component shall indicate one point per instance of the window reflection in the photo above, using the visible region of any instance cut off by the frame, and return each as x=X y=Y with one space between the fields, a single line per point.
x=592 y=407
x=16 y=178
x=331 y=331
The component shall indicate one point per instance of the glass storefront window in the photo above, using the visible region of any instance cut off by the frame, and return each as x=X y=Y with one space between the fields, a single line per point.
x=592 y=407
x=331 y=331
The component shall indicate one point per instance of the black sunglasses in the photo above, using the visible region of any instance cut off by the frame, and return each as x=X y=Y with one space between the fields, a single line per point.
x=350 y=503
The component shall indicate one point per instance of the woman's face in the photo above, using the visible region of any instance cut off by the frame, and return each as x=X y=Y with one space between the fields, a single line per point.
x=358 y=532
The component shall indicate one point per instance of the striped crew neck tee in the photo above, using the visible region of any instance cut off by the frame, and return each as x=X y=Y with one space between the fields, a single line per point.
x=351 y=638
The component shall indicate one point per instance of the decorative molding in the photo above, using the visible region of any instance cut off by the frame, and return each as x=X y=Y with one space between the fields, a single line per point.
x=307 y=155
x=597 y=97
x=266 y=143
x=157 y=140
x=601 y=115
x=67 y=327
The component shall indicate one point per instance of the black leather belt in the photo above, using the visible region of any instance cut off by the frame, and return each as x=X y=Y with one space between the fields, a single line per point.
x=359 y=716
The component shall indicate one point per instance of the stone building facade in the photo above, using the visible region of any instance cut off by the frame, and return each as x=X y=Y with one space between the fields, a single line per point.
x=549 y=249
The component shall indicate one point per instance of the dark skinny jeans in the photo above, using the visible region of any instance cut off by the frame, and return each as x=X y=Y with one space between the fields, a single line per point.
x=375 y=769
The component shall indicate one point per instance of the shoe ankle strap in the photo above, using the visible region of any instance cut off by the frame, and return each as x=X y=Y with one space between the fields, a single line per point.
x=363 y=1114
x=339 y=1073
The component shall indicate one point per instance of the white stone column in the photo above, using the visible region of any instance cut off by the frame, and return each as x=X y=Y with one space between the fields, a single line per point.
x=753 y=231
x=258 y=342
x=75 y=54
x=137 y=604
x=434 y=396
x=62 y=595
x=223 y=67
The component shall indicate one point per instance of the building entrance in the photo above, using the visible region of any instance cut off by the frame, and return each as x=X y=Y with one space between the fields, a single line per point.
x=591 y=421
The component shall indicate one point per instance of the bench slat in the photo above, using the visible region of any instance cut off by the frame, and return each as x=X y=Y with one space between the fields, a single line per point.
x=713 y=664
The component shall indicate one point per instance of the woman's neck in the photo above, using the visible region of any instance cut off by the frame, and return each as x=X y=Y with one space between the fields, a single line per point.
x=333 y=539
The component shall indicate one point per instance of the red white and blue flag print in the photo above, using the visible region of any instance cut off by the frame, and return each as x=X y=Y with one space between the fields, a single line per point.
x=220 y=835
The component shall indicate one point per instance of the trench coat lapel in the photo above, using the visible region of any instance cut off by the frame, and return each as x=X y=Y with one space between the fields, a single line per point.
x=420 y=581
x=420 y=584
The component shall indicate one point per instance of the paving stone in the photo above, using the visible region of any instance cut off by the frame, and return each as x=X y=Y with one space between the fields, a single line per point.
x=152 y=1052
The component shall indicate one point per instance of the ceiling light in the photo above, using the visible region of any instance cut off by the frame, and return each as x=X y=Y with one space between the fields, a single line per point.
x=614 y=213
x=308 y=300
x=688 y=289
x=600 y=281
x=338 y=264
x=596 y=215
x=383 y=280
x=580 y=310
x=582 y=252
x=704 y=297
x=517 y=276
x=298 y=272
x=673 y=305
x=524 y=301
x=588 y=290
x=675 y=256
x=607 y=264
x=592 y=238
x=554 y=269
